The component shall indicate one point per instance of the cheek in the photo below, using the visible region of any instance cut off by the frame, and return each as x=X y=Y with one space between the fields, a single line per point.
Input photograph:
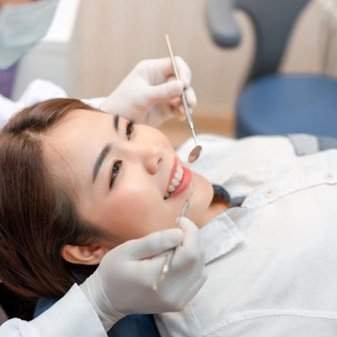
x=136 y=212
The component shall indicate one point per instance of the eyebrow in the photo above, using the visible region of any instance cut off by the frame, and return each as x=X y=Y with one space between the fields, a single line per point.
x=106 y=149
x=116 y=122
x=99 y=161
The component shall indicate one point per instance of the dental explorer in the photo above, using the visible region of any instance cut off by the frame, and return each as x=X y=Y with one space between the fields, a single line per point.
x=169 y=255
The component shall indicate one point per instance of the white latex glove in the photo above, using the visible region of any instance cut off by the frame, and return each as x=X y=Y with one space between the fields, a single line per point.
x=123 y=282
x=150 y=94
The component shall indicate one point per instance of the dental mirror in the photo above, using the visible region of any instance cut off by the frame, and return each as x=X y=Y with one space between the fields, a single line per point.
x=195 y=153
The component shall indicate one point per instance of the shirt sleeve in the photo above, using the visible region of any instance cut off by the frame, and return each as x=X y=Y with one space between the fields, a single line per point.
x=71 y=316
x=37 y=91
x=94 y=102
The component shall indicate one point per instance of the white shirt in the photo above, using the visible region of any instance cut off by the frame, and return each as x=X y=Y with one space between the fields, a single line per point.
x=271 y=263
x=71 y=316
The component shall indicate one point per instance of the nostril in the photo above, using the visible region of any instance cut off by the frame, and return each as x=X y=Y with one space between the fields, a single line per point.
x=157 y=164
x=153 y=158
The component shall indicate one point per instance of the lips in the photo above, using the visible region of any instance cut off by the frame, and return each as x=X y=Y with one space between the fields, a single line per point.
x=180 y=178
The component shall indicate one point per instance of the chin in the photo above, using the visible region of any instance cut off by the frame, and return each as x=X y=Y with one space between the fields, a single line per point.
x=201 y=198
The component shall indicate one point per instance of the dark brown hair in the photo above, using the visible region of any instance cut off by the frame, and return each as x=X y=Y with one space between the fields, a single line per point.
x=38 y=215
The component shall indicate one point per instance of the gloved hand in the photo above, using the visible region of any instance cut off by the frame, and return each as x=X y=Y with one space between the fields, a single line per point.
x=150 y=94
x=123 y=282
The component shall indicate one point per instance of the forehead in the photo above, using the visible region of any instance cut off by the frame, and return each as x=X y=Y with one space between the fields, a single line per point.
x=79 y=121
x=78 y=132
x=79 y=126
x=73 y=145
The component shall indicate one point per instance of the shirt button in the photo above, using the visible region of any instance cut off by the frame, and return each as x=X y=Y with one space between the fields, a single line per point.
x=269 y=192
x=329 y=176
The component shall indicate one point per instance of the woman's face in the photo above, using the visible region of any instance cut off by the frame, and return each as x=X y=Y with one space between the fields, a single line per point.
x=127 y=178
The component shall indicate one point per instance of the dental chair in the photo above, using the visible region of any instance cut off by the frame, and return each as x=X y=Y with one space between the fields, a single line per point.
x=129 y=326
x=270 y=102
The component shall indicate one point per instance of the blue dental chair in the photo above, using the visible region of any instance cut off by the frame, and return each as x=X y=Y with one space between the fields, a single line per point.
x=270 y=102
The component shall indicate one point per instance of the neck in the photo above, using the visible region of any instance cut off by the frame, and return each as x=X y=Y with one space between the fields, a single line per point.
x=216 y=207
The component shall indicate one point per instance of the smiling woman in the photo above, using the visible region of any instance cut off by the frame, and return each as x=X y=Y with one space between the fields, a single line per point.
x=270 y=258
x=82 y=182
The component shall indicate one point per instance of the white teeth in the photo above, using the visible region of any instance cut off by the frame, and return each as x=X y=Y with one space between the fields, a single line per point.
x=175 y=181
x=171 y=188
x=179 y=173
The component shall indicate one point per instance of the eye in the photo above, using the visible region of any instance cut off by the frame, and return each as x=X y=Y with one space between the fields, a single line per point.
x=115 y=169
x=129 y=129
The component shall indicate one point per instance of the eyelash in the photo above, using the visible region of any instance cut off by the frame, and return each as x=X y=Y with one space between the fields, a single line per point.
x=117 y=165
x=129 y=129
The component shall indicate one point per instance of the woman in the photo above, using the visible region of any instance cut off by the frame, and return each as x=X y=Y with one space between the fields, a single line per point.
x=269 y=248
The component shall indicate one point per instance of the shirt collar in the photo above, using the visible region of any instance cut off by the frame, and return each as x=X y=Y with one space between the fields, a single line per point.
x=220 y=236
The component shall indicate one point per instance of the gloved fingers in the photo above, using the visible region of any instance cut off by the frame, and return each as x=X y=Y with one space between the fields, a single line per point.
x=189 y=228
x=191 y=97
x=186 y=79
x=156 y=70
x=190 y=291
x=163 y=68
x=178 y=289
x=154 y=244
x=177 y=106
x=184 y=71
x=164 y=92
x=191 y=100
x=191 y=252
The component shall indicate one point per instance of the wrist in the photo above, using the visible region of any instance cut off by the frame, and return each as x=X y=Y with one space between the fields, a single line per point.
x=94 y=291
x=69 y=316
x=94 y=102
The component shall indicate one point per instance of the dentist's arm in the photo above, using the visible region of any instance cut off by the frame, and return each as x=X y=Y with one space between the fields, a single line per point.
x=124 y=286
x=150 y=94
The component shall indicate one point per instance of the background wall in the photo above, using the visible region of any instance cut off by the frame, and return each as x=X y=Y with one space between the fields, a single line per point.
x=113 y=35
x=119 y=33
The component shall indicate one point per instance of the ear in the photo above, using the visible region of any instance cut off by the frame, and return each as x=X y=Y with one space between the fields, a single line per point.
x=89 y=255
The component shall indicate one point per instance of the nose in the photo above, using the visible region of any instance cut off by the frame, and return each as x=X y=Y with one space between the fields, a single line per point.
x=150 y=155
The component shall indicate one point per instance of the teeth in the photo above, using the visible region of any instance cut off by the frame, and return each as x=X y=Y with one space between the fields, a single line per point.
x=179 y=173
x=171 y=188
x=175 y=181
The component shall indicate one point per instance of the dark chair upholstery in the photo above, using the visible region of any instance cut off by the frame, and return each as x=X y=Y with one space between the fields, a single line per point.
x=271 y=103
x=14 y=305
x=130 y=326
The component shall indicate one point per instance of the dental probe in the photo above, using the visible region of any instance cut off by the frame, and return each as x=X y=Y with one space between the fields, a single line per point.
x=195 y=153
x=169 y=256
